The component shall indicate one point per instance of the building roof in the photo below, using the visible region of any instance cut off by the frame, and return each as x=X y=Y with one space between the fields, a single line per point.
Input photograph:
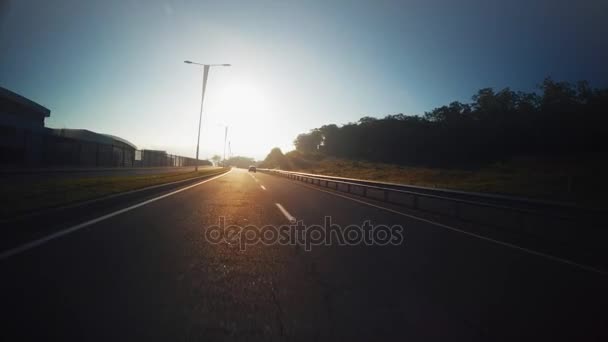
x=86 y=135
x=154 y=151
x=16 y=98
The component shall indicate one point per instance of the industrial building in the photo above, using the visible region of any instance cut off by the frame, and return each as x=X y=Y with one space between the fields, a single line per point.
x=25 y=141
x=21 y=129
x=86 y=148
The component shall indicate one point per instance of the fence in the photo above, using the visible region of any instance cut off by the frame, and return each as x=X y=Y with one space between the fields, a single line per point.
x=151 y=158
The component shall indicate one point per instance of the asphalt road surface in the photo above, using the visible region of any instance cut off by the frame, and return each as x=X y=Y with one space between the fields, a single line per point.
x=150 y=274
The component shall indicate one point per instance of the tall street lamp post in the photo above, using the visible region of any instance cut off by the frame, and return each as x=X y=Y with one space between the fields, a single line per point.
x=200 y=118
x=225 y=137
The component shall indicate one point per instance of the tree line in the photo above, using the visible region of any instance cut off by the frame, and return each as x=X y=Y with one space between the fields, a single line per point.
x=239 y=161
x=560 y=119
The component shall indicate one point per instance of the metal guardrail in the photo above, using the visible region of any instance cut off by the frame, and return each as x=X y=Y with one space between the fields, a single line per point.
x=538 y=218
x=487 y=198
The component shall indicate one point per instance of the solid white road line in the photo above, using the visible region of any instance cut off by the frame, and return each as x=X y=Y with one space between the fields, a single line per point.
x=263 y=187
x=287 y=215
x=41 y=241
x=504 y=244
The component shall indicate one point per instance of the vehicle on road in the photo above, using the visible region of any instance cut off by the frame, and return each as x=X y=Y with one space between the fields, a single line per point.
x=252 y=169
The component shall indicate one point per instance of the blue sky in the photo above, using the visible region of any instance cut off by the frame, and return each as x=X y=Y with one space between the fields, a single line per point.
x=117 y=66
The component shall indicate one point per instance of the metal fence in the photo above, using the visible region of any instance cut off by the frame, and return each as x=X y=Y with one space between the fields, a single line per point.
x=151 y=158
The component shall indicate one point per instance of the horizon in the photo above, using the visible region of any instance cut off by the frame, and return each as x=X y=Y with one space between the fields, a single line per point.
x=118 y=69
x=418 y=170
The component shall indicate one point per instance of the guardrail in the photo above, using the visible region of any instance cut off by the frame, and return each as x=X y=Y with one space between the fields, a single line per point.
x=542 y=219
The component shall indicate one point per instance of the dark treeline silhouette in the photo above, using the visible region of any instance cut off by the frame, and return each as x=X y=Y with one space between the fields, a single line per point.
x=276 y=158
x=562 y=119
x=239 y=161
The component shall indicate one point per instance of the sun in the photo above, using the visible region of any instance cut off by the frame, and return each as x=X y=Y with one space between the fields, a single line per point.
x=248 y=109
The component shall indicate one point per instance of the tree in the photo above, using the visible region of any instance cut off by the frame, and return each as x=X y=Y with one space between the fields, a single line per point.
x=239 y=161
x=216 y=159
x=276 y=159
x=559 y=119
x=309 y=142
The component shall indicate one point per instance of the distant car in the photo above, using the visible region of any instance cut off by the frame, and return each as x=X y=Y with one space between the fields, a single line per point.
x=252 y=169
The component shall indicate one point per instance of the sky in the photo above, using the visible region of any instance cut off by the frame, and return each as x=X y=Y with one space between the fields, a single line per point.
x=116 y=67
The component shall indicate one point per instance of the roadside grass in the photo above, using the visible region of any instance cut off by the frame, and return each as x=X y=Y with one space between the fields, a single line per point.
x=579 y=181
x=21 y=198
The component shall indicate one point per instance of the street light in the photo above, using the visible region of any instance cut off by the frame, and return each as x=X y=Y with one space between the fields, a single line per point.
x=225 y=139
x=200 y=118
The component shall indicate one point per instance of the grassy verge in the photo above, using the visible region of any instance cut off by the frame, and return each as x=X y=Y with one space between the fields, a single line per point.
x=579 y=182
x=20 y=198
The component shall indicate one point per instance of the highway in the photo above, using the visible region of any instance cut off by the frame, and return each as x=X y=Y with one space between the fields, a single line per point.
x=149 y=273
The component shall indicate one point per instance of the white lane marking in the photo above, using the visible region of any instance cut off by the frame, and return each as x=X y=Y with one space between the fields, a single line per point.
x=287 y=215
x=255 y=179
x=263 y=187
x=41 y=241
x=502 y=243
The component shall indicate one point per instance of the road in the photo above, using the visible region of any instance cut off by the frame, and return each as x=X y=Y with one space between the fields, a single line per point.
x=150 y=274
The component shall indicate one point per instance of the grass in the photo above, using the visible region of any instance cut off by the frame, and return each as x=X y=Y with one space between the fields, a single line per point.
x=21 y=198
x=576 y=181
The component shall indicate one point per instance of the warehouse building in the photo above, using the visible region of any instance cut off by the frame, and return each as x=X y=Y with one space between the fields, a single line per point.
x=86 y=148
x=21 y=129
x=25 y=141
